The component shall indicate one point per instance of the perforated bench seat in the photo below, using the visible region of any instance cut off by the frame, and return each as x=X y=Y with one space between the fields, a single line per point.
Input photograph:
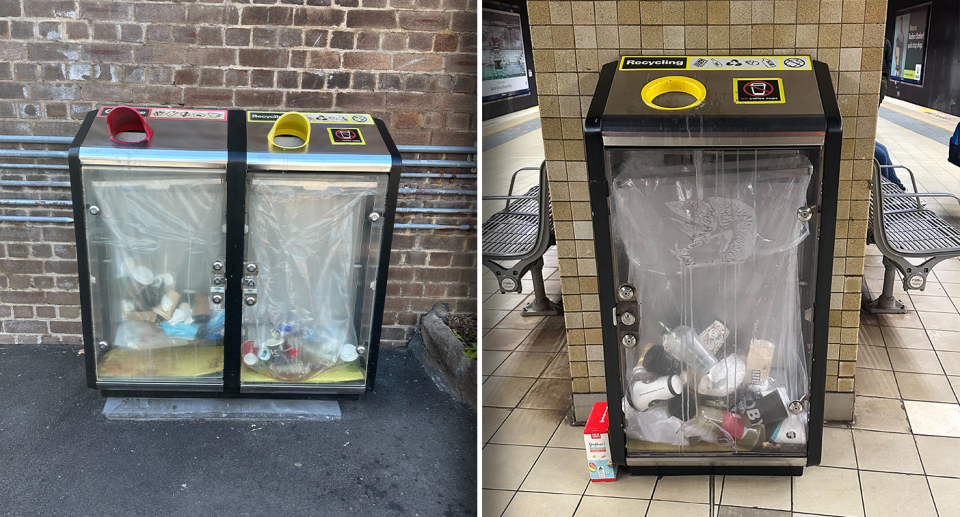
x=512 y=234
x=521 y=233
x=911 y=238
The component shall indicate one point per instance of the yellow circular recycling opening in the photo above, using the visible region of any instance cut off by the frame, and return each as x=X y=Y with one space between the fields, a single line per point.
x=671 y=84
x=290 y=124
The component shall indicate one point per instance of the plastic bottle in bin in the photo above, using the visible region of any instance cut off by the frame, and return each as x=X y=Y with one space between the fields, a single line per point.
x=684 y=344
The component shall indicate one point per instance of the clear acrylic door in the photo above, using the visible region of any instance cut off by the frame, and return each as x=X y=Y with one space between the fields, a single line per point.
x=312 y=254
x=717 y=255
x=153 y=235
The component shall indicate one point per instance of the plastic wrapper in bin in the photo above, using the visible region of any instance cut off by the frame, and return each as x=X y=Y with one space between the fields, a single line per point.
x=710 y=240
x=305 y=238
x=154 y=237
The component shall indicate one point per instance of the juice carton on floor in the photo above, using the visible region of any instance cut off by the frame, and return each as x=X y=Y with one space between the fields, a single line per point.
x=596 y=437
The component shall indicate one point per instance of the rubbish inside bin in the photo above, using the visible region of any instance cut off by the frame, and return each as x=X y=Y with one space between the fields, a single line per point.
x=713 y=256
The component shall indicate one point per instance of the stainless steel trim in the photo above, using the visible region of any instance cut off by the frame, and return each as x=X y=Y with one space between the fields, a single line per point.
x=193 y=385
x=6 y=139
x=29 y=153
x=709 y=461
x=320 y=162
x=302 y=387
x=140 y=157
x=713 y=140
x=464 y=164
x=447 y=149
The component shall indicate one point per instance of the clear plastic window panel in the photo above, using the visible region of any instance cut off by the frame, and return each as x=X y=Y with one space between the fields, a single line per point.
x=317 y=248
x=723 y=269
x=152 y=240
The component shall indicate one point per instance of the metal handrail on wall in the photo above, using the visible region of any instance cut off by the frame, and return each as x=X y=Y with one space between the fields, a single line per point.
x=405 y=162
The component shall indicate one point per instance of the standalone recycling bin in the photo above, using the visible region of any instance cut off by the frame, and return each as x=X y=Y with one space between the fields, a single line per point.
x=226 y=253
x=713 y=182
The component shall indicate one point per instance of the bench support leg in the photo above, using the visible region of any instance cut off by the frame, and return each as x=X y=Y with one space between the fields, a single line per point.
x=886 y=303
x=541 y=305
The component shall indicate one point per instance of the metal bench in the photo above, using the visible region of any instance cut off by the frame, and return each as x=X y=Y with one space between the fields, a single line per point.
x=521 y=233
x=906 y=233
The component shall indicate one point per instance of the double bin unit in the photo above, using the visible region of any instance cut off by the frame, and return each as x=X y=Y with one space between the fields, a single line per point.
x=713 y=183
x=232 y=253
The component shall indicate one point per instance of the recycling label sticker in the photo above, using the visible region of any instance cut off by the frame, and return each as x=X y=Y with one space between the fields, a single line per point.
x=628 y=63
x=170 y=113
x=345 y=136
x=314 y=118
x=763 y=90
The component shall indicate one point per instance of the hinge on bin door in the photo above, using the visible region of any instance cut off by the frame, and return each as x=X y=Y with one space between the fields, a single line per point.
x=627 y=316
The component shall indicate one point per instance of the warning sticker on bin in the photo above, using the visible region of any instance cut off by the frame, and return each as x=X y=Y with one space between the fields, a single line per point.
x=314 y=118
x=708 y=63
x=182 y=114
x=345 y=136
x=752 y=91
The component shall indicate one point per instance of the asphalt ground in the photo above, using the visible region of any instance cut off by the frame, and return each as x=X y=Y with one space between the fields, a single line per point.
x=405 y=449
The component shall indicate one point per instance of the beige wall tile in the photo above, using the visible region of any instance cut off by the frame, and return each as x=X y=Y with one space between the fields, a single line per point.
x=718 y=37
x=628 y=13
x=694 y=12
x=831 y=11
x=853 y=11
x=605 y=13
x=651 y=13
x=630 y=36
x=583 y=13
x=538 y=12
x=718 y=13
x=695 y=37
x=673 y=37
x=560 y=13
x=652 y=37
x=785 y=11
x=672 y=13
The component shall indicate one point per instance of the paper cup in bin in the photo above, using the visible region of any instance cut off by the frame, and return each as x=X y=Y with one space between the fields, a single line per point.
x=596 y=437
x=168 y=304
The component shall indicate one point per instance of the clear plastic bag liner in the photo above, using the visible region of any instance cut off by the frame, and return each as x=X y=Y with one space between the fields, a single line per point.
x=305 y=239
x=710 y=236
x=152 y=243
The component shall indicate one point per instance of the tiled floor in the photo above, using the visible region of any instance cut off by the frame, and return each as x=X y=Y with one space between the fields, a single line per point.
x=901 y=456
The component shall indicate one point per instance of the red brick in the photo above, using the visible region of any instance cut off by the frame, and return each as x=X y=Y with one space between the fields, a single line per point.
x=263 y=58
x=10 y=8
x=68 y=312
x=258 y=98
x=185 y=76
x=160 y=54
x=366 y=61
x=445 y=42
x=63 y=267
x=217 y=97
x=323 y=60
x=464 y=23
x=25 y=327
x=406 y=120
x=23 y=312
x=394 y=41
x=49 y=8
x=63 y=297
x=318 y=17
x=237 y=37
x=105 y=32
x=163 y=13
x=372 y=18
x=106 y=52
x=66 y=327
x=31 y=297
x=112 y=11
x=211 y=77
x=257 y=15
x=418 y=62
x=424 y=20
x=460 y=63
x=210 y=56
x=311 y=100
x=208 y=14
x=20 y=266
x=360 y=100
x=46 y=311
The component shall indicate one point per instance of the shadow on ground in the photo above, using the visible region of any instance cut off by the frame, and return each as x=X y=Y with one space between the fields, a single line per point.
x=404 y=449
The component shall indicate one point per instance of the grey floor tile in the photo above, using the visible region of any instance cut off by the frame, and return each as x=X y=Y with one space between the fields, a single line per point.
x=503 y=339
x=505 y=391
x=896 y=495
x=945 y=495
x=548 y=340
x=548 y=394
x=828 y=491
x=933 y=418
x=506 y=466
x=528 y=427
x=944 y=340
x=878 y=414
x=567 y=436
x=672 y=509
x=595 y=506
x=838 y=450
x=559 y=368
x=888 y=452
x=895 y=337
x=559 y=471
x=874 y=357
x=631 y=487
x=916 y=361
x=492 y=359
x=524 y=364
x=491 y=418
x=495 y=501
x=877 y=383
x=929 y=388
x=526 y=504
x=950 y=362
x=940 y=456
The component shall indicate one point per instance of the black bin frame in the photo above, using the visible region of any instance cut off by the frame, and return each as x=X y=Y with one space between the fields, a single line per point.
x=236 y=185
x=603 y=244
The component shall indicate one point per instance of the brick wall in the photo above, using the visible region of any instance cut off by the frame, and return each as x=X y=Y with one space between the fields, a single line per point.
x=411 y=63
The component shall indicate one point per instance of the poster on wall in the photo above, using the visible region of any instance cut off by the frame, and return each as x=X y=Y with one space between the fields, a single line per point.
x=910 y=44
x=504 y=63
